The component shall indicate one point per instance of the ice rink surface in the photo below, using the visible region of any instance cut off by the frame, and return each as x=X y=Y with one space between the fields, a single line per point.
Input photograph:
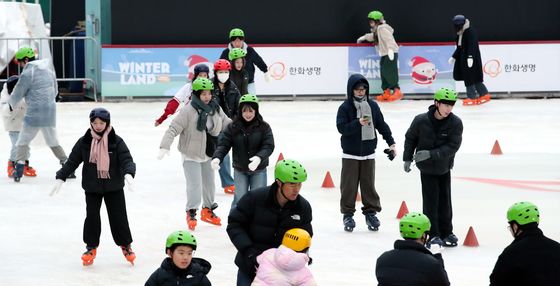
x=41 y=236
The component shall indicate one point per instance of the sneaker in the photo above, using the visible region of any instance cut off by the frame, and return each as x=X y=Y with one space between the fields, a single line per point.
x=372 y=221
x=229 y=190
x=191 y=219
x=11 y=168
x=385 y=96
x=349 y=223
x=128 y=254
x=89 y=256
x=208 y=215
x=434 y=240
x=450 y=240
x=28 y=170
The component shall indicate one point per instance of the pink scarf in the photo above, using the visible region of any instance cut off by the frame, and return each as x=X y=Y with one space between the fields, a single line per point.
x=99 y=153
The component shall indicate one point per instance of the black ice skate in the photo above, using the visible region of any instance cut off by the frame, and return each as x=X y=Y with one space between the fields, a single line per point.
x=434 y=240
x=372 y=221
x=18 y=172
x=450 y=241
x=349 y=223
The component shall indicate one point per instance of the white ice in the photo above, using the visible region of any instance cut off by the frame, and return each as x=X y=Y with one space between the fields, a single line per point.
x=41 y=236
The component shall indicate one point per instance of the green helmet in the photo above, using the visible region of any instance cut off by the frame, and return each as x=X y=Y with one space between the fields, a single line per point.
x=202 y=84
x=236 y=33
x=249 y=98
x=180 y=237
x=375 y=15
x=290 y=171
x=414 y=225
x=25 y=52
x=445 y=93
x=236 y=53
x=523 y=213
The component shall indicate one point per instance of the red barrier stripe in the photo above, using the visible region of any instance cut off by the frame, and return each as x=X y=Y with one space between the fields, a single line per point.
x=517 y=184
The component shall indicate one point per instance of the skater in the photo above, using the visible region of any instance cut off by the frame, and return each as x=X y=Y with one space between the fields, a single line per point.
x=108 y=164
x=467 y=62
x=183 y=95
x=261 y=215
x=357 y=120
x=382 y=36
x=237 y=40
x=286 y=265
x=532 y=258
x=37 y=86
x=252 y=142
x=13 y=122
x=198 y=125
x=180 y=267
x=238 y=73
x=227 y=94
x=411 y=263
x=431 y=141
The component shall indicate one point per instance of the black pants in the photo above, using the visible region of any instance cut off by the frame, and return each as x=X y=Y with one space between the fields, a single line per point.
x=362 y=173
x=116 y=211
x=436 y=202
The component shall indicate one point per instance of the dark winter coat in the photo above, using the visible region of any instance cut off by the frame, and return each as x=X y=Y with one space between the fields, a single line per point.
x=441 y=137
x=259 y=223
x=228 y=99
x=469 y=48
x=251 y=59
x=241 y=80
x=349 y=125
x=121 y=163
x=531 y=259
x=170 y=275
x=410 y=263
x=246 y=140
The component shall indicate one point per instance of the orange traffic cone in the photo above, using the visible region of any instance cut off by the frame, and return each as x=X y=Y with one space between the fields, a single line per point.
x=402 y=210
x=471 y=240
x=280 y=157
x=358 y=197
x=328 y=182
x=496 y=150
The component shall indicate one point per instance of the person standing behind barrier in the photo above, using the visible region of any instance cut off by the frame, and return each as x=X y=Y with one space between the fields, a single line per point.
x=37 y=86
x=238 y=72
x=237 y=40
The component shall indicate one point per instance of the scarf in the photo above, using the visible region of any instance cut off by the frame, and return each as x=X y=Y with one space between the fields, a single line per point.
x=363 y=109
x=460 y=33
x=203 y=111
x=99 y=152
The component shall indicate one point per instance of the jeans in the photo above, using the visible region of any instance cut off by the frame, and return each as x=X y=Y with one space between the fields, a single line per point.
x=247 y=181
x=252 y=89
x=225 y=172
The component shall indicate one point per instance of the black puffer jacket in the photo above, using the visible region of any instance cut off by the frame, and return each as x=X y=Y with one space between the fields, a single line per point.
x=410 y=263
x=441 y=137
x=228 y=98
x=121 y=163
x=169 y=275
x=259 y=223
x=251 y=59
x=531 y=259
x=241 y=80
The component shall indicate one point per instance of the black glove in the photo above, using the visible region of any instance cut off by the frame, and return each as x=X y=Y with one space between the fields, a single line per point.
x=390 y=153
x=251 y=258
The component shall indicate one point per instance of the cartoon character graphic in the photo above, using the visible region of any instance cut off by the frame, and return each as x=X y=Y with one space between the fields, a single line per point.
x=194 y=60
x=423 y=71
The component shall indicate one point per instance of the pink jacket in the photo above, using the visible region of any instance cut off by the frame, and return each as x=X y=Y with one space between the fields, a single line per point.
x=283 y=266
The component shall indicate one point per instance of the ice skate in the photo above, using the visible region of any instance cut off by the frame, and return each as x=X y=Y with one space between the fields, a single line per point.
x=229 y=190
x=372 y=221
x=128 y=254
x=450 y=241
x=483 y=99
x=470 y=102
x=385 y=96
x=18 y=172
x=349 y=223
x=28 y=171
x=208 y=215
x=191 y=219
x=434 y=240
x=89 y=256
x=11 y=168
x=397 y=95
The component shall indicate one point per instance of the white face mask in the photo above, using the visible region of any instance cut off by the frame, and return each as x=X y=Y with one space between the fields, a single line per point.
x=223 y=77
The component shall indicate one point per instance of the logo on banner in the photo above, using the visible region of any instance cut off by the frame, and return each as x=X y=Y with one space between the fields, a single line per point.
x=492 y=68
x=423 y=71
x=370 y=67
x=277 y=70
x=195 y=60
x=143 y=73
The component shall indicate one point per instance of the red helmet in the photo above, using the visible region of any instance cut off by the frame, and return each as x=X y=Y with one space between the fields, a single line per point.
x=221 y=65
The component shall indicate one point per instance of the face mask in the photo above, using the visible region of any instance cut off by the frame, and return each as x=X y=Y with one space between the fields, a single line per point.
x=223 y=77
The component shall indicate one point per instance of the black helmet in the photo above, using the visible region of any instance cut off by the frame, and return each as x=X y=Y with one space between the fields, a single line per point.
x=100 y=113
x=459 y=20
x=201 y=68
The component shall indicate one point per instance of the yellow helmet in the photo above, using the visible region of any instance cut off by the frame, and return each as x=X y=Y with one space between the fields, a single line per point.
x=297 y=239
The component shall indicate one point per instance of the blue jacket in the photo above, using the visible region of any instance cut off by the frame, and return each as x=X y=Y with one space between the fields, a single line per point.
x=350 y=128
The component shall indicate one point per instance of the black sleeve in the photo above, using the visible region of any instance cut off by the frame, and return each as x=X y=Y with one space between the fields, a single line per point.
x=225 y=140
x=225 y=54
x=153 y=280
x=344 y=124
x=307 y=218
x=259 y=62
x=452 y=146
x=125 y=159
x=267 y=146
x=411 y=139
x=239 y=221
x=74 y=160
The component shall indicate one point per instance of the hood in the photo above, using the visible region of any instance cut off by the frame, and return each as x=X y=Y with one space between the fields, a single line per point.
x=352 y=81
x=386 y=26
x=198 y=265
x=289 y=260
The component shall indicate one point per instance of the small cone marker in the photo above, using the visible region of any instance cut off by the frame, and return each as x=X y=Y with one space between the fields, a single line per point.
x=496 y=150
x=471 y=240
x=328 y=182
x=402 y=210
x=280 y=157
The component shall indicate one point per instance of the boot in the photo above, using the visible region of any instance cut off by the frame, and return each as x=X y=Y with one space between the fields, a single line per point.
x=28 y=170
x=11 y=168
x=372 y=221
x=209 y=216
x=349 y=223
x=450 y=240
x=191 y=219
x=397 y=95
x=128 y=254
x=229 y=190
x=434 y=240
x=19 y=172
x=385 y=96
x=89 y=256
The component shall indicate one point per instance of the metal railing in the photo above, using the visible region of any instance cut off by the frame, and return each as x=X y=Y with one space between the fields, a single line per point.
x=66 y=54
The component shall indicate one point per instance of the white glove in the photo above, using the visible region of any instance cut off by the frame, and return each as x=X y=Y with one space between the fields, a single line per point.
x=361 y=39
x=56 y=187
x=435 y=248
x=451 y=60
x=469 y=62
x=255 y=161
x=129 y=182
x=267 y=76
x=391 y=54
x=394 y=149
x=162 y=152
x=215 y=164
